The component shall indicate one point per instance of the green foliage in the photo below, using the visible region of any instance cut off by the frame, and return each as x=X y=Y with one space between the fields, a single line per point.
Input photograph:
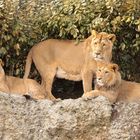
x=24 y=23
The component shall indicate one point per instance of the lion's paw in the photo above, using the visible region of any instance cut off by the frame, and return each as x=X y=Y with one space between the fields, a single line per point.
x=88 y=95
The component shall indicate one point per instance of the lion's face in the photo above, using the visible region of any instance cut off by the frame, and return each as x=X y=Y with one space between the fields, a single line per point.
x=101 y=46
x=107 y=74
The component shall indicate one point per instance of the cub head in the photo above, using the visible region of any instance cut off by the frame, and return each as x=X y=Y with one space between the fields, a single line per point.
x=100 y=45
x=107 y=74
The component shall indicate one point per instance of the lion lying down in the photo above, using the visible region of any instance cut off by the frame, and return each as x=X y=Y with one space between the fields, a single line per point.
x=14 y=85
x=109 y=84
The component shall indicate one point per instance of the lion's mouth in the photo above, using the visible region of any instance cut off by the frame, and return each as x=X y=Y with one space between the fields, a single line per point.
x=100 y=83
x=98 y=57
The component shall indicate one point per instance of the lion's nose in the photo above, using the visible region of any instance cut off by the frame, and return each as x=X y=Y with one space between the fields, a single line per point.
x=98 y=53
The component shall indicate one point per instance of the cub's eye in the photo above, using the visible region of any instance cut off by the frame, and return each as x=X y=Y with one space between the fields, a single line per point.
x=95 y=43
x=99 y=70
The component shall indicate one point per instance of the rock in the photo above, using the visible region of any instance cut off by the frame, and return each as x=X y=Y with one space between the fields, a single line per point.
x=125 y=123
x=79 y=119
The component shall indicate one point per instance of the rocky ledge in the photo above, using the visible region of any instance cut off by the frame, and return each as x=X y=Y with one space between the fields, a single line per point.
x=70 y=119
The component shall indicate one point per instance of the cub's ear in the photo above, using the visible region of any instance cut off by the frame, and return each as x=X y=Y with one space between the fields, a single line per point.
x=112 y=37
x=115 y=67
x=94 y=33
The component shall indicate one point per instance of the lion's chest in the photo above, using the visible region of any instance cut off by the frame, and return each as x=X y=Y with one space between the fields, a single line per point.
x=60 y=73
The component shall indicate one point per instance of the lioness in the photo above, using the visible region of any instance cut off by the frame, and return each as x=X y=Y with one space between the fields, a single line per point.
x=10 y=84
x=108 y=83
x=68 y=60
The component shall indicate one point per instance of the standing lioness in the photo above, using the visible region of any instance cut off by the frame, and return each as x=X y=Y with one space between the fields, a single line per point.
x=68 y=60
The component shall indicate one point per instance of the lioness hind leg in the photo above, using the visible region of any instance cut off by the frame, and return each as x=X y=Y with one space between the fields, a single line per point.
x=47 y=83
x=47 y=73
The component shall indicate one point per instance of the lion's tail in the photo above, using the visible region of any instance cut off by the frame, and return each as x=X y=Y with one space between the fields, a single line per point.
x=28 y=65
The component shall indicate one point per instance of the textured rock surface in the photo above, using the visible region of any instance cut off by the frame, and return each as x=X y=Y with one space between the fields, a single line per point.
x=125 y=124
x=22 y=119
x=79 y=119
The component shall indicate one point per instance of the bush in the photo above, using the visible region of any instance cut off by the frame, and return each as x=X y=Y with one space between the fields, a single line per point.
x=25 y=23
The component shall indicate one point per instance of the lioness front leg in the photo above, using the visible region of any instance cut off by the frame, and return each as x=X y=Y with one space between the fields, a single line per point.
x=88 y=95
x=112 y=96
x=87 y=81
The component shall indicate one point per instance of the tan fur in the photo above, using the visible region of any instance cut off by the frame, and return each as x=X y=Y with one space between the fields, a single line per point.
x=129 y=91
x=108 y=79
x=112 y=86
x=68 y=60
x=14 y=85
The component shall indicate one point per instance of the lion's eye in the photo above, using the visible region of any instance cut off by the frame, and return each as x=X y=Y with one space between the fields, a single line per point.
x=104 y=45
x=95 y=43
x=106 y=72
x=99 y=70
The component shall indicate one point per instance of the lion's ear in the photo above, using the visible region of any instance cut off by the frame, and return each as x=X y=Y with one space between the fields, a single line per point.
x=112 y=37
x=94 y=33
x=88 y=41
x=115 y=67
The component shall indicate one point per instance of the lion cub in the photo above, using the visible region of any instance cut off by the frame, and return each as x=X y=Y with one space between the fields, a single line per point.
x=109 y=84
x=14 y=85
